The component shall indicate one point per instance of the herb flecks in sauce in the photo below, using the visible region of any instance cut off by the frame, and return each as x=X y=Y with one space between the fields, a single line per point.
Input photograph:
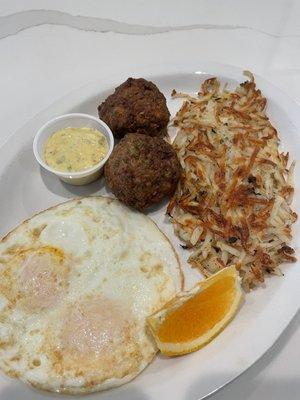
x=75 y=149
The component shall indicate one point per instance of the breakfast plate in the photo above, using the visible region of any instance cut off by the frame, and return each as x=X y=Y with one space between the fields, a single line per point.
x=27 y=189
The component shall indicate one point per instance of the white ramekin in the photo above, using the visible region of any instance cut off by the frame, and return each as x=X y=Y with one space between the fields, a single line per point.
x=75 y=120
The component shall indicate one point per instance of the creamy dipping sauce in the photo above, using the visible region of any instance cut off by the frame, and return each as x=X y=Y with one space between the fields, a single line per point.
x=75 y=149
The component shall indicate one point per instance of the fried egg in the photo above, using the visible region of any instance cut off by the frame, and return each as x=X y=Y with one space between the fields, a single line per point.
x=77 y=283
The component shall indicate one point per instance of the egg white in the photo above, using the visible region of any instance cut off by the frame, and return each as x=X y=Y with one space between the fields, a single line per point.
x=77 y=282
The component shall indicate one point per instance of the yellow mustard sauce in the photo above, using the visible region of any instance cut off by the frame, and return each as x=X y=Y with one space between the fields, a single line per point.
x=75 y=149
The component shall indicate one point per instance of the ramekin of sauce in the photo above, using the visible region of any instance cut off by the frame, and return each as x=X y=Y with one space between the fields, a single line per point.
x=74 y=147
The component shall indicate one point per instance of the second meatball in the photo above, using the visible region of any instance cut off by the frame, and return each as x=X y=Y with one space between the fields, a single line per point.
x=142 y=170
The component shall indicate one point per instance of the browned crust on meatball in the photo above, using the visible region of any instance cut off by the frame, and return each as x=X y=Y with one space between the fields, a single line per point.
x=137 y=106
x=142 y=170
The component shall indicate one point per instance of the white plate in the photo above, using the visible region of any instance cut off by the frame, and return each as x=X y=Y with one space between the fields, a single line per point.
x=26 y=189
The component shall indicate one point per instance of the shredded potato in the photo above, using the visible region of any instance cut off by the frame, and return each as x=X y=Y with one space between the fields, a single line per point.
x=232 y=204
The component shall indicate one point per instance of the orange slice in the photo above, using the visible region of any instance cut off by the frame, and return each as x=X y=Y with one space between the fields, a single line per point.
x=194 y=318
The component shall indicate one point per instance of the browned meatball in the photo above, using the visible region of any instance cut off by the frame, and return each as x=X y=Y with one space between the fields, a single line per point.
x=142 y=170
x=136 y=106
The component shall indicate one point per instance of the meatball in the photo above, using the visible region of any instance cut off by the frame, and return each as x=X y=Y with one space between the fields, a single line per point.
x=142 y=170
x=136 y=106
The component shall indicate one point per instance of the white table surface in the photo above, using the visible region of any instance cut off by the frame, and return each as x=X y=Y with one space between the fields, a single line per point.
x=50 y=47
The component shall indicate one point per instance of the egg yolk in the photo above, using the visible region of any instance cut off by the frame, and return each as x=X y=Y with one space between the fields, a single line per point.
x=96 y=340
x=42 y=279
x=94 y=326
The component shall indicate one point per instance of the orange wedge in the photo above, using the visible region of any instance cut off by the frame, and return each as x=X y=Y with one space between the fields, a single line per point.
x=194 y=318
